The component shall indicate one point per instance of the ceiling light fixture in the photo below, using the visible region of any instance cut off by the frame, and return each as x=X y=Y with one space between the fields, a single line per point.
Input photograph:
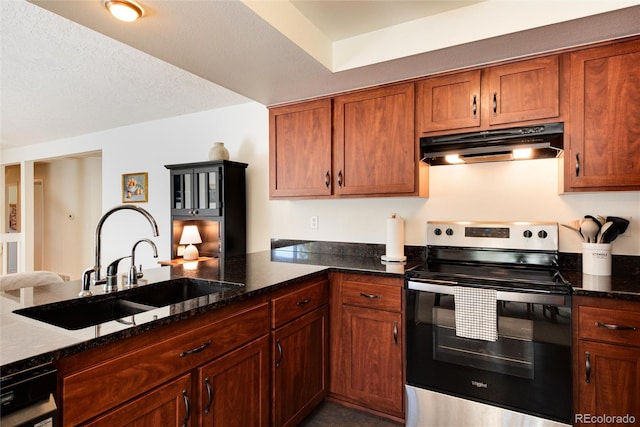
x=124 y=10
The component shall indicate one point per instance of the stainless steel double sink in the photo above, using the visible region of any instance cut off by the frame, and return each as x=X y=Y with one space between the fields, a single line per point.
x=89 y=311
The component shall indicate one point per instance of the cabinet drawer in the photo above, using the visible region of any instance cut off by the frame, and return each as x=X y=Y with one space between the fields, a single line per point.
x=94 y=390
x=604 y=324
x=369 y=295
x=298 y=302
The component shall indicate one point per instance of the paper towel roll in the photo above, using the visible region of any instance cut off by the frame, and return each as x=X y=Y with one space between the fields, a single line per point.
x=395 y=239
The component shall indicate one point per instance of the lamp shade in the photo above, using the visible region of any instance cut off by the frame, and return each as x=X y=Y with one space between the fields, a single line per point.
x=190 y=235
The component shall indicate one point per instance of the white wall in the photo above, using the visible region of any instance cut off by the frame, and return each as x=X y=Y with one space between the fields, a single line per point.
x=493 y=191
x=71 y=211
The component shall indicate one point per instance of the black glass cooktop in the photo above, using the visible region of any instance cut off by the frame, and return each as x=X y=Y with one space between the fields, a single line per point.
x=526 y=278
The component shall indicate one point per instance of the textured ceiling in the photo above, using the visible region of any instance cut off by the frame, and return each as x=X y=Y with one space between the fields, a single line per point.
x=69 y=69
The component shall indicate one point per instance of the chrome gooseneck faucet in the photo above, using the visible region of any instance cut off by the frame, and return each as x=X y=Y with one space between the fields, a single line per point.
x=135 y=274
x=95 y=270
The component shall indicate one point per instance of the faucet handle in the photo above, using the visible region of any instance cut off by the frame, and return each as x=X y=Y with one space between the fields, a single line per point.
x=86 y=282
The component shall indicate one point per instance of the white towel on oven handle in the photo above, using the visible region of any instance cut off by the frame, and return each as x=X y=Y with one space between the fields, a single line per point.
x=476 y=315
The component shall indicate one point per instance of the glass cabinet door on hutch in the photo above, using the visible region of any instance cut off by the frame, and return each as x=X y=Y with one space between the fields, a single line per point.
x=196 y=192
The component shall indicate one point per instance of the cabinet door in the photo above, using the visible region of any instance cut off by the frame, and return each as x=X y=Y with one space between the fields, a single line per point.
x=448 y=102
x=373 y=353
x=604 y=128
x=300 y=367
x=181 y=191
x=522 y=91
x=608 y=381
x=234 y=389
x=207 y=194
x=167 y=405
x=300 y=150
x=374 y=145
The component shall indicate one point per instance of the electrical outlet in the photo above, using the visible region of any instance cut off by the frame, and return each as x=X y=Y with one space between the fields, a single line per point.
x=313 y=222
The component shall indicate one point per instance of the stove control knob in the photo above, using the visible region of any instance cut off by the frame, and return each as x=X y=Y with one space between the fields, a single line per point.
x=542 y=234
x=437 y=232
x=449 y=232
x=527 y=234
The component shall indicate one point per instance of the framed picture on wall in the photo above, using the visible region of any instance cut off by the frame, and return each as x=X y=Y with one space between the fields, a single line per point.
x=135 y=187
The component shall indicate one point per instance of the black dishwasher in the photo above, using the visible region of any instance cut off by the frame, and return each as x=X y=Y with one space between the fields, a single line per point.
x=27 y=398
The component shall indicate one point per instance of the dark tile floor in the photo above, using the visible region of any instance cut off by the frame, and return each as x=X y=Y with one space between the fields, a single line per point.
x=330 y=414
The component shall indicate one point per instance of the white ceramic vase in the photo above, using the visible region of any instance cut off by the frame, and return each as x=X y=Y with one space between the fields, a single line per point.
x=218 y=152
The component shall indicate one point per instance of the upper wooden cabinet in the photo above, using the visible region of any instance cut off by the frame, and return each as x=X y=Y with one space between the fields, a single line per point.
x=371 y=151
x=603 y=144
x=300 y=150
x=506 y=94
x=374 y=147
x=448 y=102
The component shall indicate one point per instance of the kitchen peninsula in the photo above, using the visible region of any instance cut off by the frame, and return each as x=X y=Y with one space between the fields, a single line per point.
x=243 y=310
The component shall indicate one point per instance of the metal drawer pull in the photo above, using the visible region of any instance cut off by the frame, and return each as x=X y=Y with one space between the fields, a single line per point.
x=615 y=327
x=187 y=406
x=395 y=332
x=279 y=353
x=303 y=302
x=210 y=394
x=195 y=350
x=587 y=378
x=371 y=296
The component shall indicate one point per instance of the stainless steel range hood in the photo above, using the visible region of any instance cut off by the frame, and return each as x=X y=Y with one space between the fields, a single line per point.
x=531 y=142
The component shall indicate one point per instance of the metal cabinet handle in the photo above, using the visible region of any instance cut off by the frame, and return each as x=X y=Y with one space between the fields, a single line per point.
x=303 y=302
x=370 y=296
x=195 y=350
x=193 y=212
x=187 y=406
x=495 y=104
x=587 y=378
x=615 y=327
x=577 y=165
x=340 y=178
x=395 y=332
x=210 y=394
x=279 y=347
x=475 y=106
x=327 y=179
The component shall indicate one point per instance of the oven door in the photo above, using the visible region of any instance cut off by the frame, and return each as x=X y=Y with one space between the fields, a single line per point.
x=528 y=368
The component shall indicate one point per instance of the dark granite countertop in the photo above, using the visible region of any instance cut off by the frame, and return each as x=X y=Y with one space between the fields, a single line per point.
x=624 y=282
x=27 y=342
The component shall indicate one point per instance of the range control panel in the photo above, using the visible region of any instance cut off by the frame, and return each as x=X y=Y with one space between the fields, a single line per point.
x=510 y=235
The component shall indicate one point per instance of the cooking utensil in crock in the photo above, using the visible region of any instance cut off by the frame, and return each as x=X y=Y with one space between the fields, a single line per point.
x=603 y=231
x=589 y=230
x=574 y=229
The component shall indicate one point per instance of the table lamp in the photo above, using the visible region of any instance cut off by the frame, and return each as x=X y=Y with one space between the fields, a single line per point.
x=190 y=236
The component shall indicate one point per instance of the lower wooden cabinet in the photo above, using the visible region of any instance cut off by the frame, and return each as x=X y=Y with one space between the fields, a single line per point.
x=606 y=361
x=367 y=350
x=234 y=389
x=167 y=405
x=159 y=375
x=300 y=352
x=300 y=361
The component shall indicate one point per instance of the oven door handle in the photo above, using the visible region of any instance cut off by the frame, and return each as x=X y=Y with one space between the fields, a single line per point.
x=525 y=297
